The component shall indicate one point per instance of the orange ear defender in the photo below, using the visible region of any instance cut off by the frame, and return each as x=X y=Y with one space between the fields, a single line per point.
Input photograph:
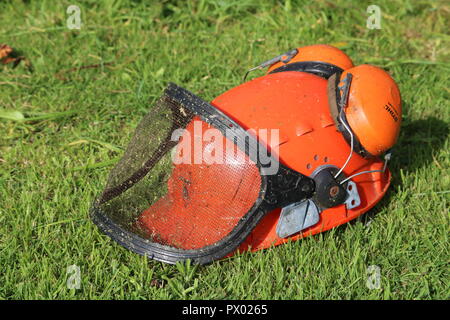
x=286 y=155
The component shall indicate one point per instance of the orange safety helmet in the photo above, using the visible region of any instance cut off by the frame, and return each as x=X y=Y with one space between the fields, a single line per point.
x=266 y=162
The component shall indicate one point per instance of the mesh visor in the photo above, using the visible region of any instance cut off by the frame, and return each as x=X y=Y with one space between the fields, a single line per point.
x=183 y=182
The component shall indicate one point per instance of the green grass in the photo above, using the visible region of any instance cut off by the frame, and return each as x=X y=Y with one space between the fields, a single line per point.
x=68 y=129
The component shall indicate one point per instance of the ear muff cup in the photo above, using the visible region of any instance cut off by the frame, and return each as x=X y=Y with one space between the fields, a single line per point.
x=374 y=109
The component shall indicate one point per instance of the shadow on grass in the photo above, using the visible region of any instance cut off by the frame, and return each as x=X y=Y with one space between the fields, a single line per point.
x=418 y=142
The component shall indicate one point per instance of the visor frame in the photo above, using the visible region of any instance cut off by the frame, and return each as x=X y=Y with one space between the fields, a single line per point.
x=276 y=191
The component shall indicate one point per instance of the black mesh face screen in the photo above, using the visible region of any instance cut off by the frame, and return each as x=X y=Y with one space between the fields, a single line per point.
x=151 y=140
x=190 y=185
x=166 y=187
x=141 y=175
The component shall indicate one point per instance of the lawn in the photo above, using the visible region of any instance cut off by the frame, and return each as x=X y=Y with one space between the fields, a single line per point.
x=64 y=124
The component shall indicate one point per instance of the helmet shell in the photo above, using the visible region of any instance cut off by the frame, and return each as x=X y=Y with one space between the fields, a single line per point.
x=297 y=104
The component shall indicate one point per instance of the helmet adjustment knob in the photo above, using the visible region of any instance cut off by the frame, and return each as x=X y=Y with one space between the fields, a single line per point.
x=329 y=192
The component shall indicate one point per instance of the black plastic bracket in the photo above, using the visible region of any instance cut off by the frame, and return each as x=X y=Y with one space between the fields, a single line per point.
x=321 y=69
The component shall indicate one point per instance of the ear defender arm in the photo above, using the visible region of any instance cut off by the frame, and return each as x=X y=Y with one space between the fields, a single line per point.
x=285 y=58
x=321 y=60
